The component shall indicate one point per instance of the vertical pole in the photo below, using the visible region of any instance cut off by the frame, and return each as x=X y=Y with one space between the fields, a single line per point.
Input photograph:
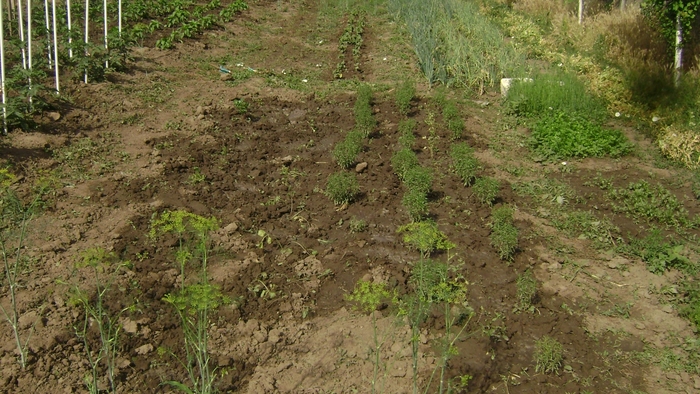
x=20 y=23
x=48 y=31
x=104 y=6
x=70 y=31
x=678 y=58
x=120 y=18
x=55 y=45
x=2 y=72
x=622 y=5
x=87 y=24
x=580 y=11
x=29 y=48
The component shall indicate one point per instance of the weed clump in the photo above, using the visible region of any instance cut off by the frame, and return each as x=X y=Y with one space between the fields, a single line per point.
x=504 y=234
x=464 y=162
x=652 y=203
x=561 y=135
x=402 y=161
x=486 y=189
x=404 y=95
x=342 y=187
x=658 y=254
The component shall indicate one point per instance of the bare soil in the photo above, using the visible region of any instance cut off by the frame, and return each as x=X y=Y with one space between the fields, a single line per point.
x=125 y=150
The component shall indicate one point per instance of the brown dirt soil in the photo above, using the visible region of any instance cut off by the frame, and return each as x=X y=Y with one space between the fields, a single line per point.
x=170 y=134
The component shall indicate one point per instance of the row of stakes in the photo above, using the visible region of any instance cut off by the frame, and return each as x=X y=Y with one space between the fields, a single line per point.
x=26 y=44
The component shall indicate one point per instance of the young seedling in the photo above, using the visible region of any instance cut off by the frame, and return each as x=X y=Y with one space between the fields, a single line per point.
x=419 y=179
x=416 y=204
x=345 y=152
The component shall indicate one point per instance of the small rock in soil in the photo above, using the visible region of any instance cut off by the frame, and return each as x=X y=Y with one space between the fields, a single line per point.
x=226 y=77
x=296 y=115
x=667 y=308
x=55 y=116
x=360 y=167
x=144 y=349
x=697 y=382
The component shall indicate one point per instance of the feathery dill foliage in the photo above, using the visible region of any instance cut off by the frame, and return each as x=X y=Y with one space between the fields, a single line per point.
x=406 y=136
x=404 y=95
x=402 y=161
x=486 y=189
x=464 y=162
x=345 y=152
x=504 y=234
x=364 y=119
x=342 y=187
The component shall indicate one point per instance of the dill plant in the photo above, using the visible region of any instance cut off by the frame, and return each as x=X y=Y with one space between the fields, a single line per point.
x=15 y=218
x=464 y=162
x=504 y=234
x=196 y=299
x=342 y=187
x=406 y=137
x=404 y=96
x=402 y=161
x=425 y=237
x=104 y=268
x=486 y=189
x=345 y=152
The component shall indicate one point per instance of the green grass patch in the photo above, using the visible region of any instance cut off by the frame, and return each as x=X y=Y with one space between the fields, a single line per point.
x=560 y=92
x=526 y=290
x=586 y=225
x=560 y=135
x=549 y=355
